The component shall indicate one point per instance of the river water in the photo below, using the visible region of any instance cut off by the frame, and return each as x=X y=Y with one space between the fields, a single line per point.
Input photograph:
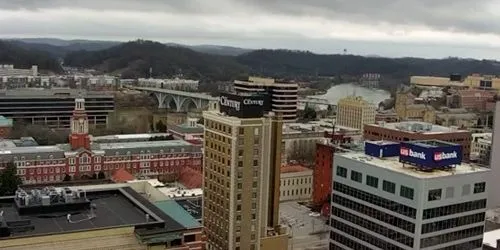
x=337 y=92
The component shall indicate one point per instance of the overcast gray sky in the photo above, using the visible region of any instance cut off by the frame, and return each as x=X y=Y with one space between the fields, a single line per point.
x=426 y=28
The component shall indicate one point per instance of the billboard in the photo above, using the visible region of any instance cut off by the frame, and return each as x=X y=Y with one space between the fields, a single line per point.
x=244 y=106
x=430 y=154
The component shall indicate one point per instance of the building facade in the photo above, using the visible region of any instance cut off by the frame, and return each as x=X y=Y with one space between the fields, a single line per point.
x=481 y=100
x=54 y=107
x=296 y=183
x=242 y=159
x=354 y=112
x=381 y=203
x=481 y=148
x=408 y=131
x=283 y=95
x=81 y=159
x=173 y=84
x=5 y=126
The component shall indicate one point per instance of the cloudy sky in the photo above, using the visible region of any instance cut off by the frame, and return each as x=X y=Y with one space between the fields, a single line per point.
x=395 y=28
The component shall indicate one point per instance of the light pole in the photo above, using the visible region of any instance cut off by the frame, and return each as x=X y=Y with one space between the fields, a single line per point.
x=291 y=229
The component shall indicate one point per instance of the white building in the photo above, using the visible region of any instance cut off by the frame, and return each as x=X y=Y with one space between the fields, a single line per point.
x=481 y=148
x=494 y=177
x=295 y=183
x=380 y=203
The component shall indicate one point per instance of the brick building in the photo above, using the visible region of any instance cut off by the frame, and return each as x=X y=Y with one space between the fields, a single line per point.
x=322 y=174
x=478 y=99
x=82 y=159
x=408 y=131
x=5 y=126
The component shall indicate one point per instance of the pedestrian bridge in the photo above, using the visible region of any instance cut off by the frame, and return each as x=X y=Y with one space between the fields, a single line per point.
x=180 y=101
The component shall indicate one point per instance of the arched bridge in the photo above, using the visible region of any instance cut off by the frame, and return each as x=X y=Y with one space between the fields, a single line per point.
x=183 y=101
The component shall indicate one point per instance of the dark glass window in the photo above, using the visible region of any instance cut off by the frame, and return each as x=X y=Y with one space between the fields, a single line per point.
x=389 y=186
x=434 y=195
x=356 y=176
x=454 y=209
x=362 y=236
x=372 y=181
x=406 y=192
x=341 y=171
x=374 y=227
x=373 y=213
x=465 y=246
x=452 y=223
x=375 y=200
x=346 y=242
x=452 y=236
x=479 y=187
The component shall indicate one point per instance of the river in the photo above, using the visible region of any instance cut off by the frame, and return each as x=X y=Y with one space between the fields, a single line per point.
x=337 y=92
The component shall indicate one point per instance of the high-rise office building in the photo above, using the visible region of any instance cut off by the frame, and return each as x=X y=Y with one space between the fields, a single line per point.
x=408 y=195
x=354 y=112
x=242 y=175
x=283 y=95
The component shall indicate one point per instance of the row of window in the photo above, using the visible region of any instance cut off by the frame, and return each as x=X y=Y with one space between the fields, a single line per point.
x=373 y=181
x=452 y=223
x=374 y=227
x=375 y=200
x=454 y=209
x=373 y=213
x=362 y=236
x=294 y=192
x=473 y=244
x=453 y=236
x=353 y=244
x=296 y=181
x=436 y=194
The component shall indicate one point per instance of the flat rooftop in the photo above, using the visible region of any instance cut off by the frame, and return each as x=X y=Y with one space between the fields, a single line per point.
x=55 y=92
x=128 y=136
x=113 y=208
x=33 y=149
x=393 y=164
x=418 y=127
x=143 y=144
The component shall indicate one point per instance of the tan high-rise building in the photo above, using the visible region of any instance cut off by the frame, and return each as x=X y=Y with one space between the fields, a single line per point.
x=242 y=176
x=354 y=112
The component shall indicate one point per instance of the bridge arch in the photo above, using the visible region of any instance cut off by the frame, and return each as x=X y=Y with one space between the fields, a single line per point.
x=188 y=104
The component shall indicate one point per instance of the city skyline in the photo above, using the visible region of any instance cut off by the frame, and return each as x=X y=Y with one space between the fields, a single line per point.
x=430 y=30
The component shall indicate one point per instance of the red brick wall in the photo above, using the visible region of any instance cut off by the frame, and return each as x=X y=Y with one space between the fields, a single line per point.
x=322 y=174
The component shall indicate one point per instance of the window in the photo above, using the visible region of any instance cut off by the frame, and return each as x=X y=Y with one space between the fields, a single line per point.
x=72 y=169
x=189 y=238
x=389 y=186
x=238 y=207
x=341 y=171
x=98 y=159
x=406 y=192
x=255 y=163
x=238 y=197
x=71 y=161
x=479 y=187
x=241 y=131
x=372 y=181
x=434 y=195
x=356 y=176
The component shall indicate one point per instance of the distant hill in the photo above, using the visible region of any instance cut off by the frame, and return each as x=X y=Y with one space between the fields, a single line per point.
x=11 y=53
x=60 y=47
x=133 y=59
x=288 y=63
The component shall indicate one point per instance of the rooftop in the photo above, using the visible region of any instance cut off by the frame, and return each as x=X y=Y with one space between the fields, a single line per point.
x=143 y=144
x=176 y=211
x=113 y=207
x=128 y=136
x=192 y=206
x=44 y=93
x=294 y=169
x=122 y=175
x=35 y=149
x=5 y=122
x=176 y=192
x=418 y=127
x=393 y=164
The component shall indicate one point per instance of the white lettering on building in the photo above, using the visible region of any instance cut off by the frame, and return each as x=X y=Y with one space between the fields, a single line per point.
x=224 y=101
x=253 y=102
x=411 y=153
x=445 y=156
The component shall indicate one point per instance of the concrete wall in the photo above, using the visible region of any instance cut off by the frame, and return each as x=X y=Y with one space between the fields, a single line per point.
x=493 y=184
x=274 y=242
